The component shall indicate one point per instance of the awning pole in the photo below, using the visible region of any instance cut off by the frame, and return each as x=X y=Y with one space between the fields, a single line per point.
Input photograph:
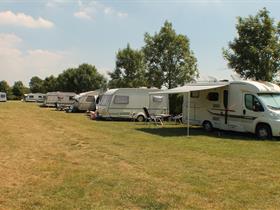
x=188 y=114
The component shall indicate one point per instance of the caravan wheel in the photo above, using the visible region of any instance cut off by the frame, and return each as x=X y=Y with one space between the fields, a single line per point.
x=207 y=126
x=140 y=118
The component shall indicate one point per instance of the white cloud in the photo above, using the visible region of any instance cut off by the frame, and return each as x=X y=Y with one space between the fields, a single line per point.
x=17 y=64
x=122 y=14
x=21 y=19
x=83 y=15
x=89 y=10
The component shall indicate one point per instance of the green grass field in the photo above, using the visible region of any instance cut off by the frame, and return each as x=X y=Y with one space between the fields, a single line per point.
x=55 y=160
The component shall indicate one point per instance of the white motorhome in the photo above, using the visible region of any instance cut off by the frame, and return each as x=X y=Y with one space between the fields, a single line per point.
x=3 y=97
x=129 y=103
x=243 y=106
x=53 y=99
x=85 y=101
x=34 y=97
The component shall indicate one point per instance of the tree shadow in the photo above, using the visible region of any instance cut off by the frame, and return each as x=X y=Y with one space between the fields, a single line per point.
x=182 y=131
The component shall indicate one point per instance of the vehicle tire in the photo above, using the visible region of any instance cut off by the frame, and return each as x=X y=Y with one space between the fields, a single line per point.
x=263 y=132
x=140 y=118
x=207 y=125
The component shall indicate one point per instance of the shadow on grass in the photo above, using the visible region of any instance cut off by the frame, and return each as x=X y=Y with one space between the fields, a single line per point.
x=182 y=131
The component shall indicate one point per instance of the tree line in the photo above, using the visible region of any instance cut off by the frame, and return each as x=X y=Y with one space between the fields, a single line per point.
x=166 y=60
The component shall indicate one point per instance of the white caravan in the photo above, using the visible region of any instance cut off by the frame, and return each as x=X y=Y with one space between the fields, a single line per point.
x=85 y=101
x=243 y=106
x=34 y=97
x=53 y=99
x=3 y=97
x=129 y=102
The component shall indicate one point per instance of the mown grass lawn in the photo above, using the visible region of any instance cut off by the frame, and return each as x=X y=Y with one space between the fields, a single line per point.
x=55 y=160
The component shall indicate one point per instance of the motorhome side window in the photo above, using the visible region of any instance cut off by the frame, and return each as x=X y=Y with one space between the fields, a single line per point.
x=31 y=96
x=157 y=98
x=90 y=99
x=252 y=103
x=121 y=100
x=195 y=94
x=213 y=96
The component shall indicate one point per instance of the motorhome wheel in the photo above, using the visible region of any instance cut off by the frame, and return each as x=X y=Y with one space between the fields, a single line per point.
x=263 y=132
x=207 y=126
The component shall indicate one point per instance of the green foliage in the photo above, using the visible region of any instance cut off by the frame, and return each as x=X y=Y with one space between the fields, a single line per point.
x=175 y=103
x=255 y=52
x=50 y=84
x=168 y=57
x=36 y=85
x=4 y=87
x=81 y=79
x=130 y=69
x=19 y=90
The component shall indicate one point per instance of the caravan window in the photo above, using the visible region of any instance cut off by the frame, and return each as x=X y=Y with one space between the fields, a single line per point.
x=90 y=99
x=157 y=98
x=3 y=96
x=71 y=98
x=30 y=96
x=213 y=96
x=121 y=100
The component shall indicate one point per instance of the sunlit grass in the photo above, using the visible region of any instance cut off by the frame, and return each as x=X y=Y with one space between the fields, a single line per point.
x=54 y=160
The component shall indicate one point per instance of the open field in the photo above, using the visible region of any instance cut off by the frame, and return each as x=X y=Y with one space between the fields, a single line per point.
x=54 y=160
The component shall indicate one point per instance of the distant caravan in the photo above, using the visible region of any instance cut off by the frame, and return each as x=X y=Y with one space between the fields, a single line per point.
x=127 y=103
x=85 y=101
x=3 y=97
x=243 y=106
x=54 y=99
x=34 y=97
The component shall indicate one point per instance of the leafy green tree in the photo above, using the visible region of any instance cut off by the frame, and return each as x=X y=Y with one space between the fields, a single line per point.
x=130 y=69
x=168 y=57
x=255 y=52
x=50 y=84
x=19 y=90
x=4 y=87
x=81 y=79
x=36 y=85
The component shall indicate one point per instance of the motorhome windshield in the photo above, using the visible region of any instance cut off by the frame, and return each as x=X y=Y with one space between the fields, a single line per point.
x=271 y=100
x=106 y=99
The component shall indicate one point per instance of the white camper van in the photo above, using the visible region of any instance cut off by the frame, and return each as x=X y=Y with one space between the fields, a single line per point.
x=85 y=101
x=34 y=97
x=3 y=97
x=53 y=99
x=243 y=106
x=129 y=103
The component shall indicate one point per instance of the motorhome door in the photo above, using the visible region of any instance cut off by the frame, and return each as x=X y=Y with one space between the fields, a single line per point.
x=252 y=109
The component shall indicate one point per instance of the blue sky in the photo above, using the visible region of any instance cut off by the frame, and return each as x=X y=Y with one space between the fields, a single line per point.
x=44 y=37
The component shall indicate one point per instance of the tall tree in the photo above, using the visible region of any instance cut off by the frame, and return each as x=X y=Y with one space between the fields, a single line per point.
x=19 y=89
x=36 y=85
x=255 y=52
x=81 y=79
x=130 y=69
x=50 y=84
x=4 y=87
x=168 y=57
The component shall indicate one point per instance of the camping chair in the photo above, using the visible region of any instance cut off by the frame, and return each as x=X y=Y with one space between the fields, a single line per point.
x=178 y=118
x=149 y=118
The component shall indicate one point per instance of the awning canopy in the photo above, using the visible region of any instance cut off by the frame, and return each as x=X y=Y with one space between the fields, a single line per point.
x=192 y=87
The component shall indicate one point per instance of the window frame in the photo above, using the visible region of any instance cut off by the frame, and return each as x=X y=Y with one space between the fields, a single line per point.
x=124 y=96
x=210 y=96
